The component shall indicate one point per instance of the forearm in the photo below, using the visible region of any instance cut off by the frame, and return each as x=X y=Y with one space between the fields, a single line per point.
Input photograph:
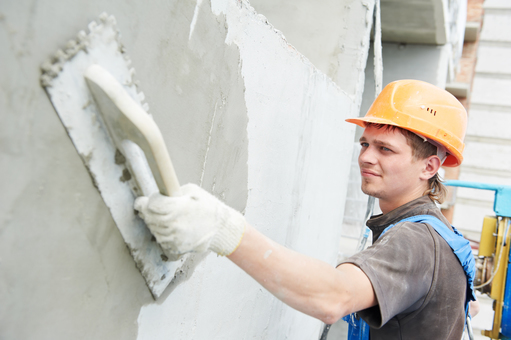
x=306 y=284
x=197 y=221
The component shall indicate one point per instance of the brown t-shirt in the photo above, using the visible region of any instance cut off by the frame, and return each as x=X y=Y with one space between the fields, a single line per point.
x=418 y=281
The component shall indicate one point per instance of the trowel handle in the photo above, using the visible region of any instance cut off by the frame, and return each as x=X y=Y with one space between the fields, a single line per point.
x=166 y=168
x=140 y=169
x=127 y=120
x=160 y=154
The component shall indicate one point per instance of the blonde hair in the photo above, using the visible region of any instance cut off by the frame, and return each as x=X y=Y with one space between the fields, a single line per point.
x=421 y=150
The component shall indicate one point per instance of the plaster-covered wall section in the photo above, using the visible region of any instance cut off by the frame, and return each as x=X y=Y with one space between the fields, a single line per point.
x=243 y=113
x=65 y=268
x=298 y=142
x=333 y=35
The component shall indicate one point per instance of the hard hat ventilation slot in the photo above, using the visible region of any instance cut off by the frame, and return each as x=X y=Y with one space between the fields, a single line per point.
x=431 y=111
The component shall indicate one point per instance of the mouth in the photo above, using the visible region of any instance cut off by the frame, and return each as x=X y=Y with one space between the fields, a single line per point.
x=369 y=173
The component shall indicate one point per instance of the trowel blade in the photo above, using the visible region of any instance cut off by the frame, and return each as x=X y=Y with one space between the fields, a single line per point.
x=64 y=82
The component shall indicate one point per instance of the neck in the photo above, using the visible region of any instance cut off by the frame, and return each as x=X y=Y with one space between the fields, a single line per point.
x=387 y=206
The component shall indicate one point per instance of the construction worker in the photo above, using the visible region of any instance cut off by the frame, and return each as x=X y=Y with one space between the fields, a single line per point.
x=409 y=284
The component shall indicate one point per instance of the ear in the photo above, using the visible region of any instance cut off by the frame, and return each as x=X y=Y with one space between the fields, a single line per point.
x=431 y=166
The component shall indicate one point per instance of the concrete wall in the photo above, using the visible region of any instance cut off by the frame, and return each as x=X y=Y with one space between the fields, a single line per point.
x=334 y=36
x=419 y=22
x=243 y=113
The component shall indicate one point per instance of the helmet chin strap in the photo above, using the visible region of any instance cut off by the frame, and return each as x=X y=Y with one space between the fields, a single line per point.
x=441 y=151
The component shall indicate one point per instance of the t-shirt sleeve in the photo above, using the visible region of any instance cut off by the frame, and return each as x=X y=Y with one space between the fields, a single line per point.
x=400 y=266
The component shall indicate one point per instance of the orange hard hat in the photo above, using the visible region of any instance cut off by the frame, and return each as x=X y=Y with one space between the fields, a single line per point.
x=424 y=109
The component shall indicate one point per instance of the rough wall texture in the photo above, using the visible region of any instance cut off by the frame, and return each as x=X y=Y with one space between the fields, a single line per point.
x=296 y=187
x=65 y=269
x=334 y=36
x=243 y=113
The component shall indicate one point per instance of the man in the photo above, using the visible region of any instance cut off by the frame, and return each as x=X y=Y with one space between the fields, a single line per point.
x=409 y=284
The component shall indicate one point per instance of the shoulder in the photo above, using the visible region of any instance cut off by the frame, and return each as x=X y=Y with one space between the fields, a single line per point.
x=411 y=235
x=404 y=248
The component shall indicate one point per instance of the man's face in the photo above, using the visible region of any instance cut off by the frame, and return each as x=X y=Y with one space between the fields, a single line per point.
x=388 y=169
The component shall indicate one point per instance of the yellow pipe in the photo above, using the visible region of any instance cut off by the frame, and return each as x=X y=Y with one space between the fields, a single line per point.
x=499 y=280
x=487 y=243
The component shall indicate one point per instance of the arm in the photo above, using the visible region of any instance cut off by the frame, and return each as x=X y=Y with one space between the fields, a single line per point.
x=197 y=222
x=306 y=284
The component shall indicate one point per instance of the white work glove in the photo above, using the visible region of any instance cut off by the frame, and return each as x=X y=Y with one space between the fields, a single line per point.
x=194 y=222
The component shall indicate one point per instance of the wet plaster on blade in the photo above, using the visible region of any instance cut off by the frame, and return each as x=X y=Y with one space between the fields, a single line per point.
x=73 y=102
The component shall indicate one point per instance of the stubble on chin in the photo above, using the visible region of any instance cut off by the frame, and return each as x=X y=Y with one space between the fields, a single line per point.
x=371 y=192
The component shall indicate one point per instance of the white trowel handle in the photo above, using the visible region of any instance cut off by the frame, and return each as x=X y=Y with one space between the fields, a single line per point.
x=126 y=120
x=139 y=168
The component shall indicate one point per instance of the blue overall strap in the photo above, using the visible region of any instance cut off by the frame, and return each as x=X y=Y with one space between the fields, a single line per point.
x=358 y=328
x=459 y=245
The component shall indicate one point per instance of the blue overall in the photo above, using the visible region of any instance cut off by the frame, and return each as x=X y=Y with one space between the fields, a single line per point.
x=359 y=330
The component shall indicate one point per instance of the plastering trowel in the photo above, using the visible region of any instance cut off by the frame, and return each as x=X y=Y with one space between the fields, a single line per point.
x=91 y=86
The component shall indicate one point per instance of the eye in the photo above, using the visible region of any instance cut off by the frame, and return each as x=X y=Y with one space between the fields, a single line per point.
x=364 y=144
x=386 y=149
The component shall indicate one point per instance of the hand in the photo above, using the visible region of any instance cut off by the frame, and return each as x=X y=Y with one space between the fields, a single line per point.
x=194 y=222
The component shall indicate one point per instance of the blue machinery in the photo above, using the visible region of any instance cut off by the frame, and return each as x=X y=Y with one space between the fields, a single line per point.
x=492 y=270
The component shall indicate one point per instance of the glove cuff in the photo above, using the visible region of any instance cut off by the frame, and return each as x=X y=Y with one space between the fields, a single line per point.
x=230 y=233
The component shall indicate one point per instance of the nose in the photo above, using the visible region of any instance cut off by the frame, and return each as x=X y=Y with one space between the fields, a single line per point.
x=367 y=156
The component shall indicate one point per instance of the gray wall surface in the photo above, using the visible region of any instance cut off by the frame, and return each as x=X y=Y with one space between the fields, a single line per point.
x=334 y=36
x=243 y=113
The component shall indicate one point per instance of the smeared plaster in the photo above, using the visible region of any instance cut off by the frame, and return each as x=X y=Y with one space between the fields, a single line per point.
x=82 y=282
x=297 y=179
x=208 y=146
x=194 y=19
x=277 y=133
x=333 y=36
x=64 y=81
